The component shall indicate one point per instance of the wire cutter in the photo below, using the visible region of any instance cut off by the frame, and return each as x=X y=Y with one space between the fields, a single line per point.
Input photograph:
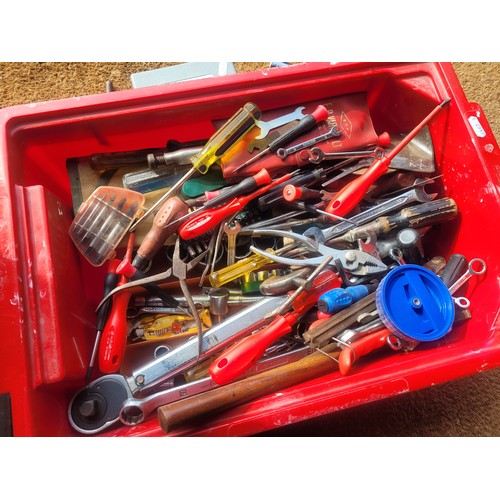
x=356 y=262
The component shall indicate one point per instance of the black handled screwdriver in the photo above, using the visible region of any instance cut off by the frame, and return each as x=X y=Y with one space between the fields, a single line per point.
x=305 y=124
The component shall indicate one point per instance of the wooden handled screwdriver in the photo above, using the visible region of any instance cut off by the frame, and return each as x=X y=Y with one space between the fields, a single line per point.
x=164 y=224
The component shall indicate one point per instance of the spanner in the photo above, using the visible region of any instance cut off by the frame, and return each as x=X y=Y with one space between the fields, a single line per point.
x=333 y=132
x=417 y=194
x=471 y=271
x=317 y=155
x=231 y=229
x=135 y=410
x=266 y=127
x=97 y=406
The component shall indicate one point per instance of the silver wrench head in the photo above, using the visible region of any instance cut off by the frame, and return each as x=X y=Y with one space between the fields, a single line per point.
x=266 y=127
x=97 y=406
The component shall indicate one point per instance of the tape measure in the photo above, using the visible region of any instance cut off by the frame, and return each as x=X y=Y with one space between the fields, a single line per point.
x=415 y=304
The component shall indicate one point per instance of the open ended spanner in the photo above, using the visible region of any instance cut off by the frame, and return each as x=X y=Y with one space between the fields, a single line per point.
x=333 y=132
x=266 y=127
x=98 y=406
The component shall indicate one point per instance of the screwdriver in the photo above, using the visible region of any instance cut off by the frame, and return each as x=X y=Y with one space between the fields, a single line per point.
x=249 y=184
x=305 y=124
x=205 y=220
x=425 y=214
x=110 y=282
x=172 y=210
x=114 y=334
x=351 y=194
x=340 y=298
x=219 y=144
x=238 y=358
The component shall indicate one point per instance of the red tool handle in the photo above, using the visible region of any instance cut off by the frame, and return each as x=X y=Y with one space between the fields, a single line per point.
x=114 y=336
x=241 y=356
x=205 y=220
x=361 y=347
x=348 y=197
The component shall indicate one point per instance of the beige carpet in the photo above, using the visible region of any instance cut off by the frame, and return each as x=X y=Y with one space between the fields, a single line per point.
x=465 y=407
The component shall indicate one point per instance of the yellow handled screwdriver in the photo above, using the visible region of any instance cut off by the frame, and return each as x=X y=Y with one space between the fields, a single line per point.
x=219 y=144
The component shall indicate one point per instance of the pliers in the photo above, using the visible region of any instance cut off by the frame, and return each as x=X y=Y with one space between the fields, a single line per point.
x=356 y=262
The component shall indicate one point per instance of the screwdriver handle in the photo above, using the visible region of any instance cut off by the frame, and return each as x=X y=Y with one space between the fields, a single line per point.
x=305 y=124
x=292 y=193
x=238 y=269
x=350 y=195
x=162 y=227
x=114 y=335
x=227 y=136
x=110 y=282
x=360 y=348
x=425 y=214
x=246 y=185
x=241 y=356
x=205 y=220
x=234 y=361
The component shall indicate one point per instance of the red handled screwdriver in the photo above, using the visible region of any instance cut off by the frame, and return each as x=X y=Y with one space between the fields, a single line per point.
x=110 y=282
x=246 y=185
x=238 y=358
x=205 y=220
x=350 y=195
x=114 y=335
x=305 y=124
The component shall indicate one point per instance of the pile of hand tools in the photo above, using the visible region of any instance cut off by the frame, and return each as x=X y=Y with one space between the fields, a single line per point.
x=299 y=258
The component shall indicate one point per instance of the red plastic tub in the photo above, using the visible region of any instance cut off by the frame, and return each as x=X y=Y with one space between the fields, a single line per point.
x=49 y=293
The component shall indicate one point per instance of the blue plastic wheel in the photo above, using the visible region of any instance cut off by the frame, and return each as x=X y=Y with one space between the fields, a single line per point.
x=415 y=304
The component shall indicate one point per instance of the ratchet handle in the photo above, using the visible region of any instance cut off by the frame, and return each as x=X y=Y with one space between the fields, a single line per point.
x=241 y=356
x=360 y=348
x=351 y=194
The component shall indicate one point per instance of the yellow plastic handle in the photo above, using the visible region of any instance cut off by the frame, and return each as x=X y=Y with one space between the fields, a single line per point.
x=238 y=269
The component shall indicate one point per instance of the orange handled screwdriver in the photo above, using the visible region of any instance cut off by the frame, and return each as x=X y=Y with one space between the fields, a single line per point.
x=163 y=226
x=350 y=196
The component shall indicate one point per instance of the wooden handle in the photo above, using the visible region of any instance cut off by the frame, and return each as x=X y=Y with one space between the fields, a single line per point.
x=228 y=396
x=172 y=210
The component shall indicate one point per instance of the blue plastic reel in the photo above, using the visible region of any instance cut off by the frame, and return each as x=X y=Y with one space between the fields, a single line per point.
x=415 y=304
